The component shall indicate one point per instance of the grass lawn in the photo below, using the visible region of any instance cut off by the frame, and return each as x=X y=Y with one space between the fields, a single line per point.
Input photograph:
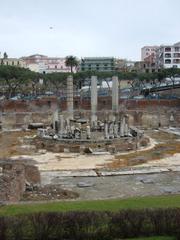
x=170 y=201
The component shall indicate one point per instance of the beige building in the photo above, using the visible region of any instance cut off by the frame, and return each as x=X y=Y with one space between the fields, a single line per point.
x=147 y=51
x=12 y=62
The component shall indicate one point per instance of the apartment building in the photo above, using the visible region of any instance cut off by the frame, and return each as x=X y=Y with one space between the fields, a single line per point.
x=101 y=64
x=147 y=51
x=168 y=56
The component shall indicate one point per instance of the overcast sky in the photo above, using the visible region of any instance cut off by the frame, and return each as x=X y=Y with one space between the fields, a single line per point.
x=84 y=28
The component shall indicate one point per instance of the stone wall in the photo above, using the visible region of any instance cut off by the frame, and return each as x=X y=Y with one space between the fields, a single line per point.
x=13 y=179
x=145 y=113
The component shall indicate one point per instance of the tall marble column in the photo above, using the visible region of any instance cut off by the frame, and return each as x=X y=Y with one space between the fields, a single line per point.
x=93 y=100
x=115 y=94
x=70 y=107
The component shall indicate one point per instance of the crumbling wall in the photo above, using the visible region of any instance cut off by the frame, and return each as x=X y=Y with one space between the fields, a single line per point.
x=32 y=174
x=13 y=179
x=144 y=113
x=16 y=120
x=12 y=182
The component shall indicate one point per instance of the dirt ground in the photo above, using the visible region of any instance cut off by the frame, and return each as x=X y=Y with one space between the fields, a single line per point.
x=163 y=151
x=77 y=173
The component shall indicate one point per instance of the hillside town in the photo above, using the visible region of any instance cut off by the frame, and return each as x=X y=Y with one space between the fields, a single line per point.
x=153 y=58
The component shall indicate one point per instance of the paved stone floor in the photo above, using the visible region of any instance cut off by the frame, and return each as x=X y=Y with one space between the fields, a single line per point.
x=117 y=186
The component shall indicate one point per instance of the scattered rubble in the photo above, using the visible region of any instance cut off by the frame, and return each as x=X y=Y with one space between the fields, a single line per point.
x=48 y=192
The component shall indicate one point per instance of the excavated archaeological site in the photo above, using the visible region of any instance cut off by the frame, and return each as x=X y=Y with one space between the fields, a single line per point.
x=73 y=152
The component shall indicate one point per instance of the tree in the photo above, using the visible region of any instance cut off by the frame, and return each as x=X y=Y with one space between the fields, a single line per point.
x=14 y=79
x=71 y=62
x=5 y=56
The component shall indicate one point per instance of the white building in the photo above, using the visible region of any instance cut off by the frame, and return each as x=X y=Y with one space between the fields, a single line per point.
x=168 y=56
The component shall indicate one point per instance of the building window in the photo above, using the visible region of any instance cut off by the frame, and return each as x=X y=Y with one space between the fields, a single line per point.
x=55 y=66
x=167 y=49
x=177 y=49
x=176 y=61
x=177 y=55
x=167 y=55
x=12 y=63
x=167 y=61
x=18 y=63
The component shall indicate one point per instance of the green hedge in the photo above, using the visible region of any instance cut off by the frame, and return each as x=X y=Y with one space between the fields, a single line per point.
x=91 y=225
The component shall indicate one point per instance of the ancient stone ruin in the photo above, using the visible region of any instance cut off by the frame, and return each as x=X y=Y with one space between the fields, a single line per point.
x=15 y=177
x=95 y=126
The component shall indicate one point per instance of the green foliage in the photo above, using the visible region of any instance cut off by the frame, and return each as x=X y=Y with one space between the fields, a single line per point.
x=71 y=62
x=5 y=56
x=14 y=79
x=93 y=225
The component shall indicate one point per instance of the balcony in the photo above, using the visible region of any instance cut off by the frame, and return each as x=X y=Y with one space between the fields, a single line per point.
x=176 y=55
x=176 y=61
x=167 y=49
x=177 y=49
x=167 y=61
x=167 y=55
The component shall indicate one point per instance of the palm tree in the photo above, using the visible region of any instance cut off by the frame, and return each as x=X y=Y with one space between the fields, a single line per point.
x=5 y=56
x=71 y=62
